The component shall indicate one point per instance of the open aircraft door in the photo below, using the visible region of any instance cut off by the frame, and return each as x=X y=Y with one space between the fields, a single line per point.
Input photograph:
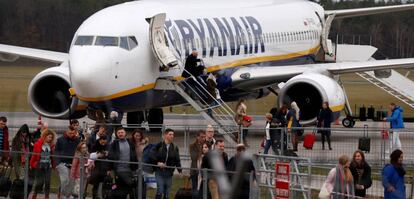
x=158 y=42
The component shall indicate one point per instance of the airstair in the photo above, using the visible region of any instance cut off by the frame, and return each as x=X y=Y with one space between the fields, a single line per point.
x=396 y=85
x=215 y=111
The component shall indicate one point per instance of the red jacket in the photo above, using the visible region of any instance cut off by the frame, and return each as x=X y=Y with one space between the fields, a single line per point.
x=37 y=149
x=6 y=146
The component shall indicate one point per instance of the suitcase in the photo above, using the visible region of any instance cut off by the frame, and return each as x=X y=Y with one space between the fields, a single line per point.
x=184 y=192
x=17 y=189
x=364 y=143
x=309 y=140
x=5 y=182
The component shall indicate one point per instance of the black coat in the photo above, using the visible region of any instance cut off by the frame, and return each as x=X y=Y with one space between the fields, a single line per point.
x=114 y=154
x=365 y=179
x=159 y=154
x=206 y=164
x=191 y=67
x=325 y=118
x=65 y=147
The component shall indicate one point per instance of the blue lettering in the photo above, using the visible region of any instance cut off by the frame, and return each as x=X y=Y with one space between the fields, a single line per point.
x=214 y=38
x=187 y=35
x=200 y=31
x=239 y=34
x=226 y=35
x=257 y=33
x=249 y=35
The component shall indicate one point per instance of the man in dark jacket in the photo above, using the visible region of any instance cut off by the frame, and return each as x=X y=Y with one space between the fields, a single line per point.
x=191 y=67
x=123 y=150
x=4 y=140
x=165 y=154
x=66 y=146
x=195 y=152
x=95 y=137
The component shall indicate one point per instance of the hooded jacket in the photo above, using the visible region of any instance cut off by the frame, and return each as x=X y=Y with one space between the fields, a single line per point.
x=396 y=118
x=21 y=144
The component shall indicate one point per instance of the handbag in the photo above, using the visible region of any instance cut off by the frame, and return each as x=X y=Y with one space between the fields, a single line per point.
x=324 y=194
x=247 y=121
x=384 y=132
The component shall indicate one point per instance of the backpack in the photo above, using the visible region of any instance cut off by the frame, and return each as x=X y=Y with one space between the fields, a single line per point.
x=146 y=153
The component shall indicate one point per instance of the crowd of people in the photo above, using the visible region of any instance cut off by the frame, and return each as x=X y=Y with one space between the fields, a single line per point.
x=353 y=177
x=64 y=154
x=74 y=156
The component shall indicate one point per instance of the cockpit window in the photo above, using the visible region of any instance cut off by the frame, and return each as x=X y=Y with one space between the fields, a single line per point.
x=84 y=40
x=132 y=42
x=124 y=43
x=106 y=41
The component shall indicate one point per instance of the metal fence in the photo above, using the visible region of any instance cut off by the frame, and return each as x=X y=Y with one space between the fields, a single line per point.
x=343 y=141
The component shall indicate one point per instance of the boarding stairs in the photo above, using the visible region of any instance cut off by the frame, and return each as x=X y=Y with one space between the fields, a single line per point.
x=194 y=91
x=396 y=85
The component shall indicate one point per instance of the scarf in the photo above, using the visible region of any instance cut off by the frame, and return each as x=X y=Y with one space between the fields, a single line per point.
x=400 y=170
x=341 y=186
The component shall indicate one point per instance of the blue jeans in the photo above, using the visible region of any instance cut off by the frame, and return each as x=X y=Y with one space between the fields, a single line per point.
x=163 y=185
x=267 y=146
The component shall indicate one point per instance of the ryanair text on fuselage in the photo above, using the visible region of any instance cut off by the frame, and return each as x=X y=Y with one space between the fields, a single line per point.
x=229 y=36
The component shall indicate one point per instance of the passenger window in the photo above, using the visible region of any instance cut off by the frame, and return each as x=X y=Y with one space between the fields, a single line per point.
x=84 y=40
x=106 y=41
x=132 y=42
x=123 y=43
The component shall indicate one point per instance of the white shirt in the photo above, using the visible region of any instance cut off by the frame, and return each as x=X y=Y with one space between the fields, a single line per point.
x=267 y=130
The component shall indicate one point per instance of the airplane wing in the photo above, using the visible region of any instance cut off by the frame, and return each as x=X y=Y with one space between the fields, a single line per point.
x=255 y=77
x=368 y=11
x=13 y=52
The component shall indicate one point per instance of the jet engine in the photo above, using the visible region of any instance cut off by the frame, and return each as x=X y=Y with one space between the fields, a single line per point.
x=49 y=96
x=309 y=91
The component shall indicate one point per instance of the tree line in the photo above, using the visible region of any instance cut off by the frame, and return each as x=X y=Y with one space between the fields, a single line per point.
x=51 y=24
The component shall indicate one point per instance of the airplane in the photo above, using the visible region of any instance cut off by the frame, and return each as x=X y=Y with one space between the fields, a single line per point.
x=116 y=56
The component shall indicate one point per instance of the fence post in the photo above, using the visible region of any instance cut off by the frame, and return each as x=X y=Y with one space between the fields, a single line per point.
x=412 y=187
x=26 y=174
x=205 y=183
x=140 y=183
x=282 y=137
x=82 y=175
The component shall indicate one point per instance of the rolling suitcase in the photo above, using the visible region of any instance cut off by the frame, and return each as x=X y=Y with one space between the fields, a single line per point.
x=309 y=140
x=5 y=182
x=17 y=189
x=364 y=143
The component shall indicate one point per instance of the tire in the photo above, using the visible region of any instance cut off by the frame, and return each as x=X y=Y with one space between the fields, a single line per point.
x=155 y=117
x=134 y=119
x=348 y=122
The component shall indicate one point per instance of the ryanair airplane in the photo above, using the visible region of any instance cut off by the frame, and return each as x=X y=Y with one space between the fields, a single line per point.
x=115 y=56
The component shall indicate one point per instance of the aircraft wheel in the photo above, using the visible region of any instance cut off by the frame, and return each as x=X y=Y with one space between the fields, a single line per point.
x=135 y=118
x=155 y=119
x=348 y=122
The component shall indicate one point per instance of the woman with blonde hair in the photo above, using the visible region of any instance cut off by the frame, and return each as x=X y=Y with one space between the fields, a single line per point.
x=293 y=117
x=42 y=162
x=340 y=183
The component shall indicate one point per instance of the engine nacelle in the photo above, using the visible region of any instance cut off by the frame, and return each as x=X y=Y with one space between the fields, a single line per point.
x=309 y=91
x=8 y=57
x=49 y=96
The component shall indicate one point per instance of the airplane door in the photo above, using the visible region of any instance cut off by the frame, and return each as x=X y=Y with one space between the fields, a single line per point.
x=162 y=53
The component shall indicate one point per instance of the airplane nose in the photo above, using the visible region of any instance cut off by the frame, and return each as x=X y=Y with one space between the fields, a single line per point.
x=89 y=73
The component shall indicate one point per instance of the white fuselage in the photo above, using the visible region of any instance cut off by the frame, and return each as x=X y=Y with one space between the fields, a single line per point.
x=227 y=35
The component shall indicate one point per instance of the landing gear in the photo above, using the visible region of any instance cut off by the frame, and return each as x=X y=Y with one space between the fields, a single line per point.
x=155 y=119
x=348 y=122
x=135 y=119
